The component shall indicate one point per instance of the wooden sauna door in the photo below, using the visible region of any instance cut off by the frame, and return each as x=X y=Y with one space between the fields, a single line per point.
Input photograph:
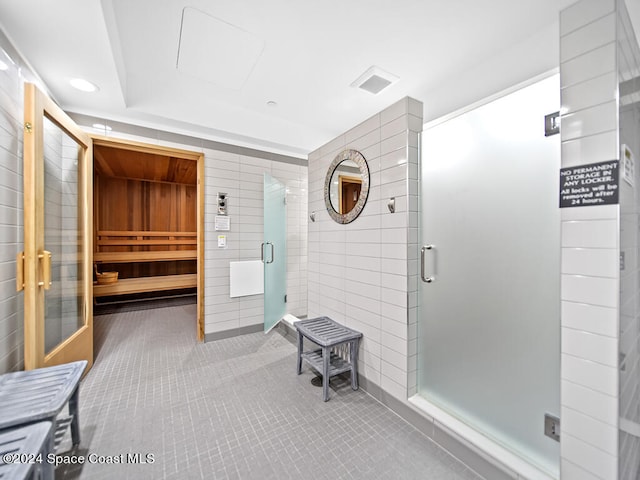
x=55 y=268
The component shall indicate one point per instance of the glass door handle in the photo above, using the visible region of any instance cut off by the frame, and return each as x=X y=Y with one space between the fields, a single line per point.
x=430 y=278
x=272 y=252
x=262 y=252
x=45 y=262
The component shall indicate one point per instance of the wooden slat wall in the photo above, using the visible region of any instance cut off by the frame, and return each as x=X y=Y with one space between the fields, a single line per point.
x=142 y=205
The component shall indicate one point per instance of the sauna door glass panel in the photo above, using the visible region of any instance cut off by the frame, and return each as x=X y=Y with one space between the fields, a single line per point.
x=274 y=251
x=489 y=329
x=62 y=236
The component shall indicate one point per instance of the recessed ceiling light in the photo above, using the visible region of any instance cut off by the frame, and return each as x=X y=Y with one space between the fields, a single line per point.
x=3 y=66
x=271 y=103
x=83 y=85
x=100 y=126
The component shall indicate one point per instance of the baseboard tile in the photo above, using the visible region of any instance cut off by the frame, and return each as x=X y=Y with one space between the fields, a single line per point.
x=234 y=332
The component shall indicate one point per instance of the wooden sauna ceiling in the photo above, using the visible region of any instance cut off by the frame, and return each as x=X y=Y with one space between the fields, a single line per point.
x=120 y=163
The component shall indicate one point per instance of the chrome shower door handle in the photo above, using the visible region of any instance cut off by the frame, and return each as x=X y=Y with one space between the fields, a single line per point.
x=272 y=252
x=430 y=278
x=262 y=252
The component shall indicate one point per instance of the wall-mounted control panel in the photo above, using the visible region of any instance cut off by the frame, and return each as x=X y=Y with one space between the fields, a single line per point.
x=223 y=200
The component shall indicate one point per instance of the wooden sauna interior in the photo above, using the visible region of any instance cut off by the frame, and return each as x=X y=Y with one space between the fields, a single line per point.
x=145 y=222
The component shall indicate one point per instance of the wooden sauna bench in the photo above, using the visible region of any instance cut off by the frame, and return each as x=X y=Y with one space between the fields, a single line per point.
x=145 y=239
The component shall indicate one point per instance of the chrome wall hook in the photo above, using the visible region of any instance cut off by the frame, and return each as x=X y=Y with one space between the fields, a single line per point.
x=391 y=204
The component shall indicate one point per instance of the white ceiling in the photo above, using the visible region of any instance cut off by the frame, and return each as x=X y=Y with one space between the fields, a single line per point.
x=446 y=54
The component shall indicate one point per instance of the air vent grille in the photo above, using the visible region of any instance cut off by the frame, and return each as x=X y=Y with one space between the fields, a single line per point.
x=374 y=80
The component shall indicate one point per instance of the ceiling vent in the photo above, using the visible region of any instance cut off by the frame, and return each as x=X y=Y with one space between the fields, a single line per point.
x=216 y=51
x=374 y=80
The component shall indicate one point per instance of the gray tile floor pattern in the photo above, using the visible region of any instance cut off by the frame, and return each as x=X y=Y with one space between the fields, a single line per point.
x=232 y=409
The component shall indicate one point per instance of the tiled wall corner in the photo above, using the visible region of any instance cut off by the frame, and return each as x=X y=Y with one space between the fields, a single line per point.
x=364 y=273
x=628 y=57
x=11 y=207
x=413 y=188
x=590 y=246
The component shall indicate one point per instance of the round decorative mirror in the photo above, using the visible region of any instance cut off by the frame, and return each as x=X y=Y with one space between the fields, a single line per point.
x=346 y=186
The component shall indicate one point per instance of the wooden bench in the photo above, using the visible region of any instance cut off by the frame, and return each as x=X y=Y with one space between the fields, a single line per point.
x=24 y=452
x=34 y=396
x=141 y=247
x=327 y=361
x=146 y=284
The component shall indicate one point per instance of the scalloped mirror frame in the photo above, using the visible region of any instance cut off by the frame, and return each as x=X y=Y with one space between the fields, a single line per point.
x=359 y=159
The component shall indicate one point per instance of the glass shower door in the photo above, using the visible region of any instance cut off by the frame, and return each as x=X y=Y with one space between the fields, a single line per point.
x=274 y=251
x=489 y=329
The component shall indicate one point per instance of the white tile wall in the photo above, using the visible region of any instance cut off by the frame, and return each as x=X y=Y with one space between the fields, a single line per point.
x=597 y=405
x=588 y=36
x=590 y=318
x=583 y=13
x=241 y=177
x=589 y=121
x=601 y=89
x=590 y=246
x=629 y=326
x=592 y=459
x=11 y=208
x=570 y=471
x=590 y=65
x=360 y=273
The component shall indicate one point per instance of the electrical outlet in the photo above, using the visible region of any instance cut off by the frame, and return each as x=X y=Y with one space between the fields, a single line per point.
x=552 y=427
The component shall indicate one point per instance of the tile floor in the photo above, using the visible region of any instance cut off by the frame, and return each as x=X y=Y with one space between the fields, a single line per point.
x=231 y=409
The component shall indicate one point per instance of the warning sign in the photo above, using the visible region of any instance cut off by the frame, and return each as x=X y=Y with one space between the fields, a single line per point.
x=589 y=185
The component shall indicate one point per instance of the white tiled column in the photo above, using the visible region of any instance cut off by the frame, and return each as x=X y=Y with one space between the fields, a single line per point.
x=364 y=274
x=629 y=330
x=590 y=247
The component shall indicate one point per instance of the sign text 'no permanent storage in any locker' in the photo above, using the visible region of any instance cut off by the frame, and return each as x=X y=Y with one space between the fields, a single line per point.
x=589 y=185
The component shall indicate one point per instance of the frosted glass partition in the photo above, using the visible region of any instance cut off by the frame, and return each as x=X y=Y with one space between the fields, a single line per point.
x=489 y=327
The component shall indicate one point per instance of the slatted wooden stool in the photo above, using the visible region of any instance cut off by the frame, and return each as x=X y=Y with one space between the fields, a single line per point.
x=39 y=395
x=24 y=451
x=329 y=335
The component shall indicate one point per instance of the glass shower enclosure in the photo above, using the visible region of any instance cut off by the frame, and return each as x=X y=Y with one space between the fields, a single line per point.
x=489 y=327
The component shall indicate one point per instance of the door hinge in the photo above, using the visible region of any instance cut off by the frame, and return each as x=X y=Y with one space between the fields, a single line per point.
x=552 y=124
x=20 y=272
x=552 y=427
